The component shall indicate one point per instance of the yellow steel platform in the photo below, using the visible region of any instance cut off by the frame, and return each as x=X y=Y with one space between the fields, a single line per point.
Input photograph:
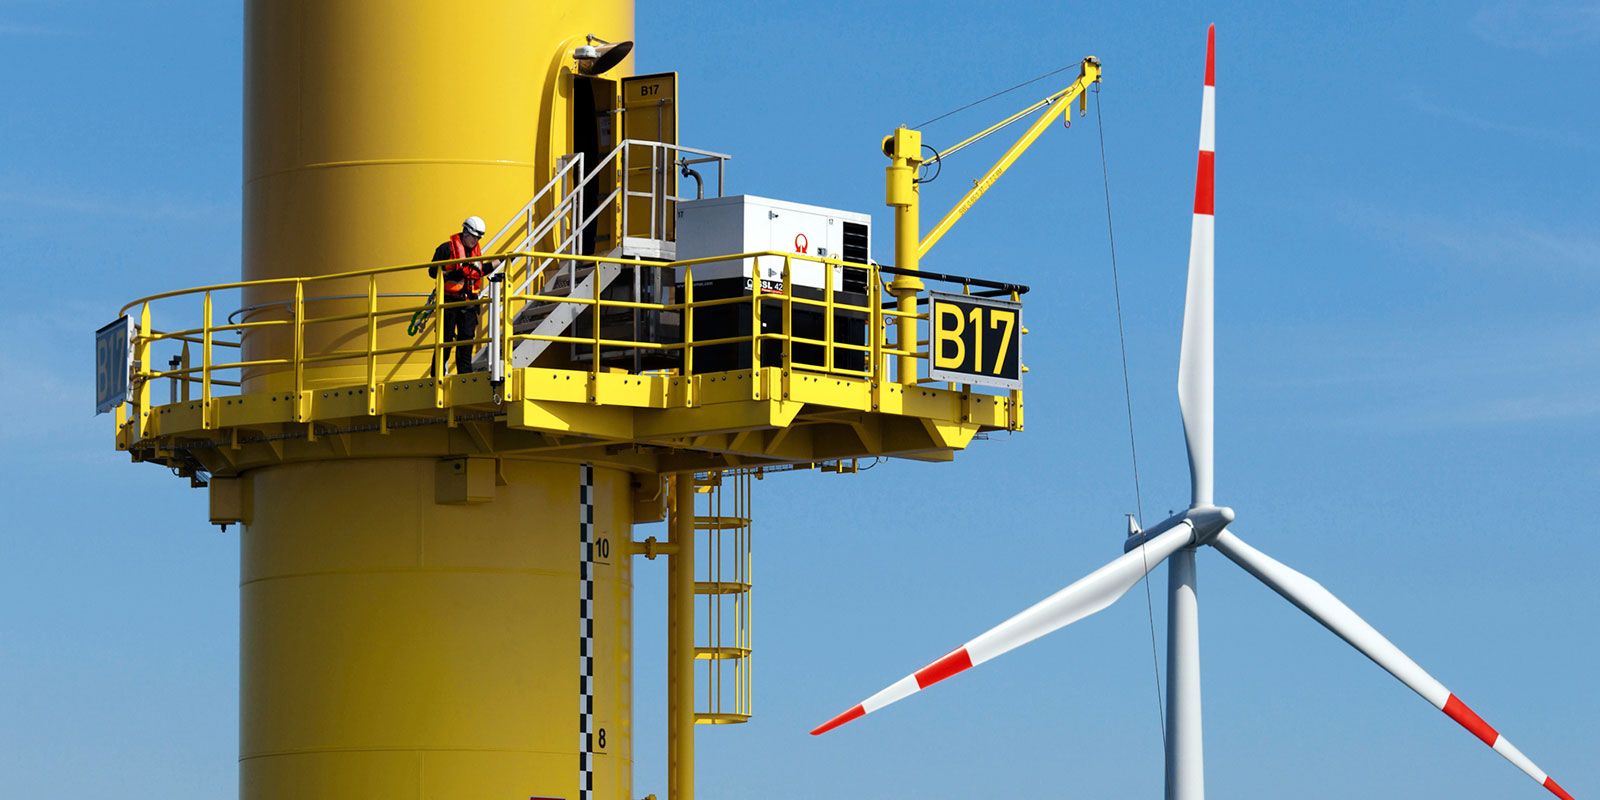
x=359 y=402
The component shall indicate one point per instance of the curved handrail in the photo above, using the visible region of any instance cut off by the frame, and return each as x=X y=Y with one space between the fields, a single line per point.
x=516 y=254
x=245 y=310
x=502 y=338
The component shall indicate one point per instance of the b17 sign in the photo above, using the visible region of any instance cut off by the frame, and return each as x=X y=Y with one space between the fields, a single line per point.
x=113 y=364
x=975 y=340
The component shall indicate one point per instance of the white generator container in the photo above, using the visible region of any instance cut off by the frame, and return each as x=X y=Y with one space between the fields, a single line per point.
x=746 y=224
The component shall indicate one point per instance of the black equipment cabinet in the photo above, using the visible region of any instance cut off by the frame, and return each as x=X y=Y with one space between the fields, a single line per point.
x=735 y=319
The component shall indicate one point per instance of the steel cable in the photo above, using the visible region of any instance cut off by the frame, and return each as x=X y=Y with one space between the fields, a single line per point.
x=1127 y=394
x=1056 y=71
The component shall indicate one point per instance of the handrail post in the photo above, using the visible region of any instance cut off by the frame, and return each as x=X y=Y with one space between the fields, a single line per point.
x=184 y=389
x=664 y=169
x=755 y=324
x=688 y=320
x=827 y=320
x=1016 y=394
x=142 y=367
x=624 y=175
x=788 y=319
x=438 y=339
x=372 y=343
x=594 y=316
x=299 y=350
x=877 y=332
x=205 y=363
x=576 y=238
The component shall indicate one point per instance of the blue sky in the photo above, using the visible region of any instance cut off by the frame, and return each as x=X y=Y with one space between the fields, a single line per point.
x=1408 y=397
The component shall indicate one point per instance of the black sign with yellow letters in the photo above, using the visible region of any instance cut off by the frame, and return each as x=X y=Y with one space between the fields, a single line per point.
x=113 y=364
x=975 y=340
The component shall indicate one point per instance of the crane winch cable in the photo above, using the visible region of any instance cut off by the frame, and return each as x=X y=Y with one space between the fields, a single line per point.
x=1055 y=71
x=937 y=161
x=1127 y=395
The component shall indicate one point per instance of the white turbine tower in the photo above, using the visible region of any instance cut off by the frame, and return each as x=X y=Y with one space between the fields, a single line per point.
x=1176 y=539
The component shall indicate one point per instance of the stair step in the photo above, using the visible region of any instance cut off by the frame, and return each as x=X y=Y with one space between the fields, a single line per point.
x=662 y=249
x=555 y=318
x=528 y=320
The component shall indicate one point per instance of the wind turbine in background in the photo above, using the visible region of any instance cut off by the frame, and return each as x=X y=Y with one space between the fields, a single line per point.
x=1177 y=538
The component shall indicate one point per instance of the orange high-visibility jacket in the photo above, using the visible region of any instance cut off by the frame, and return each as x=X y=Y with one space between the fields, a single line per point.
x=465 y=279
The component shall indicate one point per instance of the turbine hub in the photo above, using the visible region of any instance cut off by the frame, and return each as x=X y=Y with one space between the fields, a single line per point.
x=1208 y=521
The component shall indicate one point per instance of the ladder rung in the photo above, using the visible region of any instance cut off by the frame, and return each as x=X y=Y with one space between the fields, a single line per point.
x=723 y=653
x=720 y=719
x=720 y=523
x=721 y=587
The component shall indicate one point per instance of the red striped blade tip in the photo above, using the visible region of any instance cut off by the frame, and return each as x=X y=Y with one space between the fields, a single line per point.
x=1470 y=720
x=1555 y=789
x=1211 y=55
x=853 y=713
x=943 y=668
x=1205 y=184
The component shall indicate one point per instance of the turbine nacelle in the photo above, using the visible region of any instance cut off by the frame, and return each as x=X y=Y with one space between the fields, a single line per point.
x=1205 y=521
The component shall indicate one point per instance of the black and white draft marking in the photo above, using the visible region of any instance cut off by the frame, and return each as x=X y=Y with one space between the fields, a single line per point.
x=586 y=632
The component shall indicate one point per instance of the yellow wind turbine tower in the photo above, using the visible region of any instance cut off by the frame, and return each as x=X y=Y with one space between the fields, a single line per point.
x=436 y=572
x=393 y=645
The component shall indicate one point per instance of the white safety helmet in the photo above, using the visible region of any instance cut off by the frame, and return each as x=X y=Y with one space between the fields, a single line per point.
x=474 y=225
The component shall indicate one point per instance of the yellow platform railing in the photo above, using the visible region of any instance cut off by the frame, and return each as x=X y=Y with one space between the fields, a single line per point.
x=163 y=323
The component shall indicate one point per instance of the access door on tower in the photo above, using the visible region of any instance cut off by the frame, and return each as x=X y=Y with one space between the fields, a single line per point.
x=594 y=136
x=650 y=120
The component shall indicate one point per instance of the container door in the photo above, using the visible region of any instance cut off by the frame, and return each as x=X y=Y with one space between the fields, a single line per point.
x=650 y=115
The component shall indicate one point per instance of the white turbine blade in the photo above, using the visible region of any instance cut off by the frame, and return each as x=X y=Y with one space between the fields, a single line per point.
x=1195 y=360
x=1088 y=595
x=1334 y=615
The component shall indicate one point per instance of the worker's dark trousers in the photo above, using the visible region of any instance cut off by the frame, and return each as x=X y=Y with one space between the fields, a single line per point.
x=460 y=325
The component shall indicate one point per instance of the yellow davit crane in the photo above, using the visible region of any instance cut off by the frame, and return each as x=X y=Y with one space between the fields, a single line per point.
x=436 y=577
x=904 y=148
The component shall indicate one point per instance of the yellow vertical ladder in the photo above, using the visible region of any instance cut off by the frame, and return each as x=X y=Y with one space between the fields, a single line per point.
x=722 y=534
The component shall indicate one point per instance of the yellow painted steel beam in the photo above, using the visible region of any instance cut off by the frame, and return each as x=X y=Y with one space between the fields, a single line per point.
x=680 y=641
x=980 y=135
x=904 y=149
x=645 y=410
